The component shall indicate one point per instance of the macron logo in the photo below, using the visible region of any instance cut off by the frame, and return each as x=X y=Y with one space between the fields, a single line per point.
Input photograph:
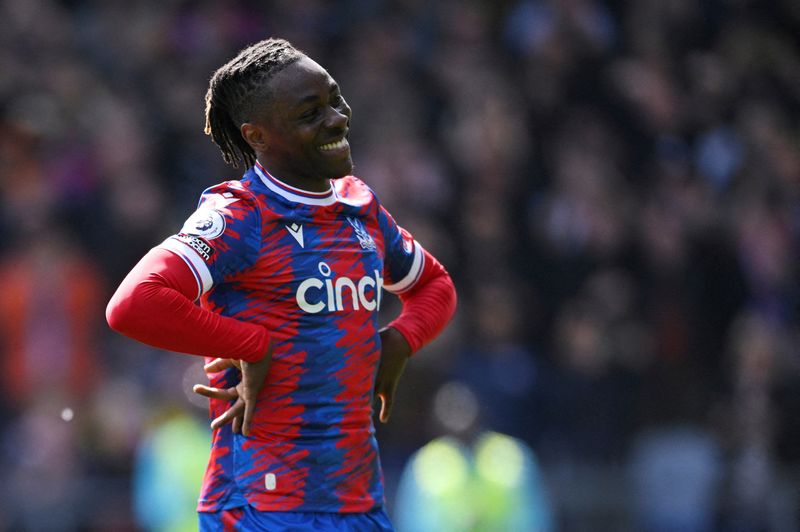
x=296 y=230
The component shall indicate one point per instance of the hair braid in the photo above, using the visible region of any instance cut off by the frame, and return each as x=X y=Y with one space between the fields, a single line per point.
x=235 y=91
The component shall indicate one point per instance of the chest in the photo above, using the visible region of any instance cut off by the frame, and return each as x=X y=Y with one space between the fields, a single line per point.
x=322 y=265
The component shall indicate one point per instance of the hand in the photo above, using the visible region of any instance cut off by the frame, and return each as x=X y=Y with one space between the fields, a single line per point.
x=394 y=355
x=254 y=374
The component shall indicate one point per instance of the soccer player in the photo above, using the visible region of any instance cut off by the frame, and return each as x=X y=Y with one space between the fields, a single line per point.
x=289 y=264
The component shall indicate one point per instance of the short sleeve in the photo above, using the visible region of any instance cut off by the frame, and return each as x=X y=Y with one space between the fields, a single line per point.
x=404 y=258
x=221 y=238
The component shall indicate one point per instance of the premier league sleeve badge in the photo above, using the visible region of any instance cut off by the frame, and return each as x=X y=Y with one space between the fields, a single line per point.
x=205 y=222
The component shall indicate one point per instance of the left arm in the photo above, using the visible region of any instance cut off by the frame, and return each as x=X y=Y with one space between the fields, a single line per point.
x=427 y=308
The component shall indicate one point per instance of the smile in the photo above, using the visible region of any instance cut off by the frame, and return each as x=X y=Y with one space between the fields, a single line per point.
x=334 y=146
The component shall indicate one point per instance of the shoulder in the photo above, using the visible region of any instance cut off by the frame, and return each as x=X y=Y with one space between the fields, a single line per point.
x=221 y=205
x=353 y=191
x=226 y=193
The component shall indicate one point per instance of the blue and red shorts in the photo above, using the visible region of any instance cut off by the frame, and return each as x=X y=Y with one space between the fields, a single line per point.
x=247 y=518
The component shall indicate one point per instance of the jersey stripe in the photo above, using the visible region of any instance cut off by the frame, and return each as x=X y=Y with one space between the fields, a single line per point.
x=193 y=260
x=413 y=273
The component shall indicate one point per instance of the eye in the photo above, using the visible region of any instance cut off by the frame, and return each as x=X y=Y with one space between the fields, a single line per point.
x=337 y=99
x=310 y=115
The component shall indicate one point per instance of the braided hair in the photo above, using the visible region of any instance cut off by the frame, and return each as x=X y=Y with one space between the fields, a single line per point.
x=237 y=90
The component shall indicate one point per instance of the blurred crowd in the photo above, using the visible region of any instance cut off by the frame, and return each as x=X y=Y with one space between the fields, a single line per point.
x=613 y=185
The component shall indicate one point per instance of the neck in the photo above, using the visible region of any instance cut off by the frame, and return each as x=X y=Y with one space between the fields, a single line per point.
x=304 y=184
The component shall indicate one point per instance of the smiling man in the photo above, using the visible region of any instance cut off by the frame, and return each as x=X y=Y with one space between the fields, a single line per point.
x=289 y=264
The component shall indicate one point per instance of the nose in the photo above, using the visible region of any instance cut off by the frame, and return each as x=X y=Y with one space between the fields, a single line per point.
x=337 y=119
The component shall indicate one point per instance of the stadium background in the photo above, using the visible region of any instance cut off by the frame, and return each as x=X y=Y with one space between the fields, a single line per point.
x=613 y=186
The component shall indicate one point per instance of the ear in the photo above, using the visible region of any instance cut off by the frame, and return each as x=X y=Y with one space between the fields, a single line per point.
x=255 y=136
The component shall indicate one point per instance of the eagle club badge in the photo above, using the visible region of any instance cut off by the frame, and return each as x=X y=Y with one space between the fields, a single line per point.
x=205 y=222
x=364 y=238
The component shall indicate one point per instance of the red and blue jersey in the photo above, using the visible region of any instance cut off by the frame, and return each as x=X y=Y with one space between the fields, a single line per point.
x=309 y=267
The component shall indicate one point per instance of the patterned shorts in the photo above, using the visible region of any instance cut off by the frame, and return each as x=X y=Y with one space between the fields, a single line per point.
x=247 y=518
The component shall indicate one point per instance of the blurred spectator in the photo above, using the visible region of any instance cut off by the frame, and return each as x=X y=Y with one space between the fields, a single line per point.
x=170 y=463
x=497 y=485
x=471 y=479
x=49 y=319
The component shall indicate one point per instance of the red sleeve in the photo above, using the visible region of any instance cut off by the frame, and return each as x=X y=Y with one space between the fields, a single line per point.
x=427 y=306
x=154 y=305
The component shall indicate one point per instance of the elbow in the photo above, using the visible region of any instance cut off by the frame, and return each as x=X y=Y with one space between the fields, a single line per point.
x=118 y=312
x=453 y=297
x=113 y=317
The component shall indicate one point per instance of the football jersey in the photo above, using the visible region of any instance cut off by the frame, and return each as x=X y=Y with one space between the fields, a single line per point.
x=311 y=268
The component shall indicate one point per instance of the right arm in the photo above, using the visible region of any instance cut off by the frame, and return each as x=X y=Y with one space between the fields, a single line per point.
x=154 y=305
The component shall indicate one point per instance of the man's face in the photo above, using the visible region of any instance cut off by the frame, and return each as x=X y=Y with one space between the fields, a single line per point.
x=305 y=124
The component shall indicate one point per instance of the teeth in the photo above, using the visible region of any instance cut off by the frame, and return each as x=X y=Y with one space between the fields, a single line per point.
x=334 y=145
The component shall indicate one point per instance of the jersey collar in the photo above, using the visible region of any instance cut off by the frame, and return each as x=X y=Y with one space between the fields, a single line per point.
x=292 y=193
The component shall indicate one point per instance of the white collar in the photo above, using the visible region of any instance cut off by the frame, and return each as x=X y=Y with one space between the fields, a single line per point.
x=295 y=194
